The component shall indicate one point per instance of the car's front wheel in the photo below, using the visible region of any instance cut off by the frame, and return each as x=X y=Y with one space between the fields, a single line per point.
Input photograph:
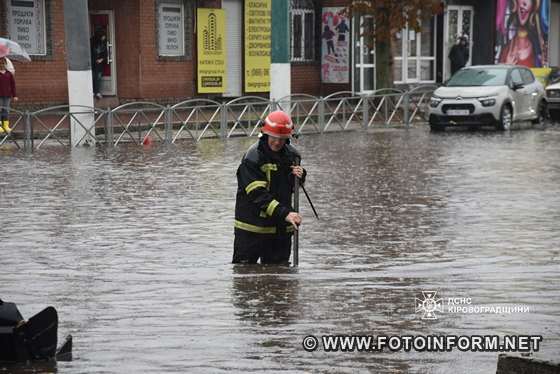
x=506 y=118
x=541 y=114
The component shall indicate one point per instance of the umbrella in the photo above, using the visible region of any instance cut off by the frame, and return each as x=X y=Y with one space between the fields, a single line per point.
x=11 y=49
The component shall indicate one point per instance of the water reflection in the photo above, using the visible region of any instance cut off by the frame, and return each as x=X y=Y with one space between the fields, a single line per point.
x=265 y=295
x=36 y=368
x=133 y=246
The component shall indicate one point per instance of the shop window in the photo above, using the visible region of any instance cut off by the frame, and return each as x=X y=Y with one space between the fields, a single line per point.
x=27 y=25
x=414 y=54
x=427 y=54
x=303 y=31
x=174 y=20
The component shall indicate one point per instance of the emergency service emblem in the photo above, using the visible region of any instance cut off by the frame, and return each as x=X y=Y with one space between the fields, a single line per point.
x=429 y=305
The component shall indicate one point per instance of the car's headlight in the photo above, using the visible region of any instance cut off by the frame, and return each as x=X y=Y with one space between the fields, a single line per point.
x=553 y=93
x=487 y=101
x=434 y=101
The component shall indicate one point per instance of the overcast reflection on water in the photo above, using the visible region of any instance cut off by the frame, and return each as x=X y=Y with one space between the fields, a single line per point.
x=133 y=247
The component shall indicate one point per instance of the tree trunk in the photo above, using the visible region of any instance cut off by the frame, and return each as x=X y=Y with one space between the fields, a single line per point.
x=383 y=65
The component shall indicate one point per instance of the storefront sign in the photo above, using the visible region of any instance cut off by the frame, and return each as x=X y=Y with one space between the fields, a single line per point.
x=257 y=45
x=522 y=32
x=335 y=37
x=26 y=24
x=171 y=28
x=211 y=64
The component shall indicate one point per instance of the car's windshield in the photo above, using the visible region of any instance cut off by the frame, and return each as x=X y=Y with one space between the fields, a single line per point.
x=478 y=77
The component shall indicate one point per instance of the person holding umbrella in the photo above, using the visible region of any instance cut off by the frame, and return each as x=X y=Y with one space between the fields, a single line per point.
x=8 y=48
x=7 y=93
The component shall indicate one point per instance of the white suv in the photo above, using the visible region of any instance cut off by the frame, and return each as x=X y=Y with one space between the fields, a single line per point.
x=488 y=95
x=553 y=100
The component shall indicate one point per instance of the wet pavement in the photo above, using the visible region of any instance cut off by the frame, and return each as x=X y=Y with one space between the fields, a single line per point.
x=133 y=247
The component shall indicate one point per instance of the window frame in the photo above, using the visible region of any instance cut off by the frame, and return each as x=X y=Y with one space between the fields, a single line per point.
x=183 y=27
x=419 y=57
x=45 y=26
x=303 y=12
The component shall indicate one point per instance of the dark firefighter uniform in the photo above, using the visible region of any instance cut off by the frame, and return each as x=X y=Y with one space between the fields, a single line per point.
x=264 y=199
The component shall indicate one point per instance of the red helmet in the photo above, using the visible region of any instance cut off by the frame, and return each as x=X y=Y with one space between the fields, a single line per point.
x=278 y=124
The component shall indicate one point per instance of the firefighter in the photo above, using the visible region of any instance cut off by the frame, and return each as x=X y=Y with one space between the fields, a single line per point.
x=264 y=217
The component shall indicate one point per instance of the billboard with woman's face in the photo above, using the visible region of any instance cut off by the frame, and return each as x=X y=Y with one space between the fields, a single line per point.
x=522 y=32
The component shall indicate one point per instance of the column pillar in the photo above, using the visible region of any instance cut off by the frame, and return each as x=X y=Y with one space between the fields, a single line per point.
x=280 y=72
x=80 y=85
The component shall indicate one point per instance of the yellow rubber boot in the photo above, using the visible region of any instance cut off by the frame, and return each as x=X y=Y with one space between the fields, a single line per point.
x=6 y=126
x=2 y=131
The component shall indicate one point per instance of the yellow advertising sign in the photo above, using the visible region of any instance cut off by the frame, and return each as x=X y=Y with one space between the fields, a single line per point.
x=542 y=74
x=257 y=45
x=211 y=64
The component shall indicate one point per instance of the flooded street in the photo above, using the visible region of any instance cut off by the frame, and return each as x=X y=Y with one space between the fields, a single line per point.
x=133 y=247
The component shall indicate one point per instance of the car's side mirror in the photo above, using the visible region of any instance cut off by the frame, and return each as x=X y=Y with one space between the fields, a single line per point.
x=516 y=86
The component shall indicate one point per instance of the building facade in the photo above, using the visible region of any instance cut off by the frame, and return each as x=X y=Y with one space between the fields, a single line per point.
x=171 y=50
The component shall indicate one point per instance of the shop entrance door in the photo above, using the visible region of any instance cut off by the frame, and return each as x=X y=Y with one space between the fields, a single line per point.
x=364 y=55
x=104 y=19
x=406 y=49
x=459 y=21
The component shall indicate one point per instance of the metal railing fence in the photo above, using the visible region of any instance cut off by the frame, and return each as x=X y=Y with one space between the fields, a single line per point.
x=199 y=118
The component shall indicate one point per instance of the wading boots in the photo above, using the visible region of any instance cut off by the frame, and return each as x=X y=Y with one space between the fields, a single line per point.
x=6 y=126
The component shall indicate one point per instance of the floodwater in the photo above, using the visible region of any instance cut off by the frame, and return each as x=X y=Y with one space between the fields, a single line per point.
x=133 y=247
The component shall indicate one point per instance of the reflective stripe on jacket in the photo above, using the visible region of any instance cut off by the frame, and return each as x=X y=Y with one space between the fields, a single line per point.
x=265 y=186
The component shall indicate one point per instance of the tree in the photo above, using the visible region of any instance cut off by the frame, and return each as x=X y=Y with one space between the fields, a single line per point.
x=390 y=17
